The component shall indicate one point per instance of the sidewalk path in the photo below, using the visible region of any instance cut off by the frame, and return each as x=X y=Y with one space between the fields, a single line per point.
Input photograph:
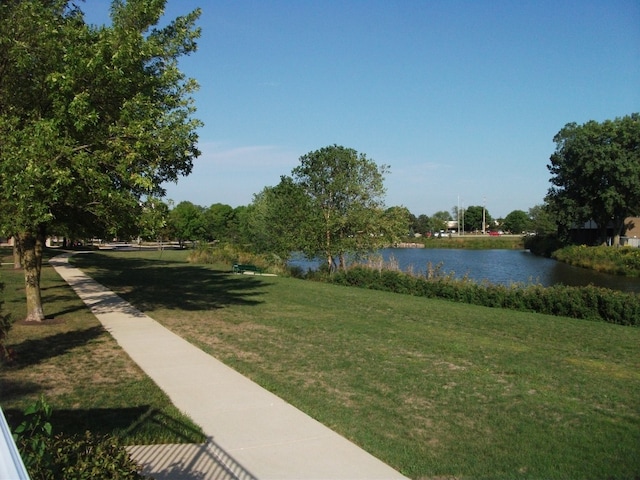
x=252 y=433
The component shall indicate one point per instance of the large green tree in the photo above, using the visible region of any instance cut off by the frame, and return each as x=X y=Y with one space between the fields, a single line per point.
x=282 y=220
x=517 y=222
x=595 y=174
x=186 y=222
x=345 y=191
x=330 y=206
x=439 y=221
x=542 y=220
x=473 y=217
x=92 y=119
x=152 y=222
x=218 y=220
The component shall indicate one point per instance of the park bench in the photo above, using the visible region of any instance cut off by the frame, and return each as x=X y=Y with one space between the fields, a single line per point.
x=240 y=268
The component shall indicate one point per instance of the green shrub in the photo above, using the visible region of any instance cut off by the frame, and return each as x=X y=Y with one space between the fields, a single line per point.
x=542 y=245
x=89 y=457
x=77 y=457
x=33 y=436
x=591 y=303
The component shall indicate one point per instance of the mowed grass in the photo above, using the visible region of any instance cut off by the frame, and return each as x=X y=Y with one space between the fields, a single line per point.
x=84 y=375
x=435 y=389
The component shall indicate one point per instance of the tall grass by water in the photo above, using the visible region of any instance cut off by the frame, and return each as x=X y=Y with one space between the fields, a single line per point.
x=617 y=261
x=588 y=302
x=436 y=389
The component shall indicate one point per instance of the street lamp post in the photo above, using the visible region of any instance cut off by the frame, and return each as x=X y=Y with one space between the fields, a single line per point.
x=484 y=203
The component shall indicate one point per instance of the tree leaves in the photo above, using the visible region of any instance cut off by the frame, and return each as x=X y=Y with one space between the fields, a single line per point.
x=92 y=120
x=596 y=173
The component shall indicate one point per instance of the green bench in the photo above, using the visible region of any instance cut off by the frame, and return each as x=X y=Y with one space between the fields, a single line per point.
x=240 y=268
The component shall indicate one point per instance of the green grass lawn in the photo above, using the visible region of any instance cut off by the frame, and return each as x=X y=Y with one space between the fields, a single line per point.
x=435 y=389
x=79 y=368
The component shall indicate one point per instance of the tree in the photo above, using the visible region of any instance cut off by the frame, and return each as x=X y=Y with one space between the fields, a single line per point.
x=395 y=223
x=239 y=231
x=421 y=224
x=186 y=222
x=595 y=173
x=473 y=218
x=92 y=119
x=217 y=221
x=517 y=222
x=542 y=221
x=439 y=221
x=281 y=219
x=152 y=222
x=346 y=210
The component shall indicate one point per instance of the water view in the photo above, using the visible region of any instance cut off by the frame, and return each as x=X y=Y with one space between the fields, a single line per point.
x=497 y=266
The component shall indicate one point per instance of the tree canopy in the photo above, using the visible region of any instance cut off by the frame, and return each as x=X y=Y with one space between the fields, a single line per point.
x=473 y=218
x=331 y=205
x=92 y=119
x=186 y=221
x=595 y=174
x=517 y=222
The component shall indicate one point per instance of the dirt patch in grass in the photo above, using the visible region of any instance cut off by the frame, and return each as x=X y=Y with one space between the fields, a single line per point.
x=60 y=360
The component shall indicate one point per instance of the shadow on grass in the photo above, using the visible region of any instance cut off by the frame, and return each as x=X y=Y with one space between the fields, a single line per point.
x=34 y=351
x=150 y=284
x=16 y=389
x=129 y=423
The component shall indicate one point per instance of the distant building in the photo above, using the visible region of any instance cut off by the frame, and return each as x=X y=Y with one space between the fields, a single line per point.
x=588 y=233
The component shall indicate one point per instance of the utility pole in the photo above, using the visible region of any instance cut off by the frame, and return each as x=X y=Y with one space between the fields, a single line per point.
x=458 y=215
x=484 y=204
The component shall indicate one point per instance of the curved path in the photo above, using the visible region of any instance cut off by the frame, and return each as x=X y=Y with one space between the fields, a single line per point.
x=252 y=433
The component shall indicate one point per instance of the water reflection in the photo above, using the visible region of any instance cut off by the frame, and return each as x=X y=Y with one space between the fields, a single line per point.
x=498 y=266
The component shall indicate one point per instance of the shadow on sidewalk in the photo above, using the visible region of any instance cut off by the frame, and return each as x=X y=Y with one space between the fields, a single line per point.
x=188 y=462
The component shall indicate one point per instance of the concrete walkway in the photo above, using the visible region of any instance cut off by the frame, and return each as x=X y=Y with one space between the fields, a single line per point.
x=252 y=433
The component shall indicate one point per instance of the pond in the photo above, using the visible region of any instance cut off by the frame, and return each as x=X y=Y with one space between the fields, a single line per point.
x=497 y=266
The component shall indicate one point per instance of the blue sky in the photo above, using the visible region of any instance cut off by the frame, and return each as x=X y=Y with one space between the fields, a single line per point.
x=461 y=98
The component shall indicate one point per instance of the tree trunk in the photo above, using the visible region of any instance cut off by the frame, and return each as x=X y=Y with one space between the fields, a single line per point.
x=31 y=247
x=17 y=254
x=330 y=262
x=618 y=229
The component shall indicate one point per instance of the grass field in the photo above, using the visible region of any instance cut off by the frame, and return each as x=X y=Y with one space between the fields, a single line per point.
x=83 y=374
x=435 y=389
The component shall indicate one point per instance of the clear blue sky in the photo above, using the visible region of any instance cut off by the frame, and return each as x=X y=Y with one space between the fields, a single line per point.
x=461 y=98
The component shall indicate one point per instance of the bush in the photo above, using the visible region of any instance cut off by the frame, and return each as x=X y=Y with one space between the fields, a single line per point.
x=542 y=245
x=591 y=303
x=89 y=457
x=78 y=457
